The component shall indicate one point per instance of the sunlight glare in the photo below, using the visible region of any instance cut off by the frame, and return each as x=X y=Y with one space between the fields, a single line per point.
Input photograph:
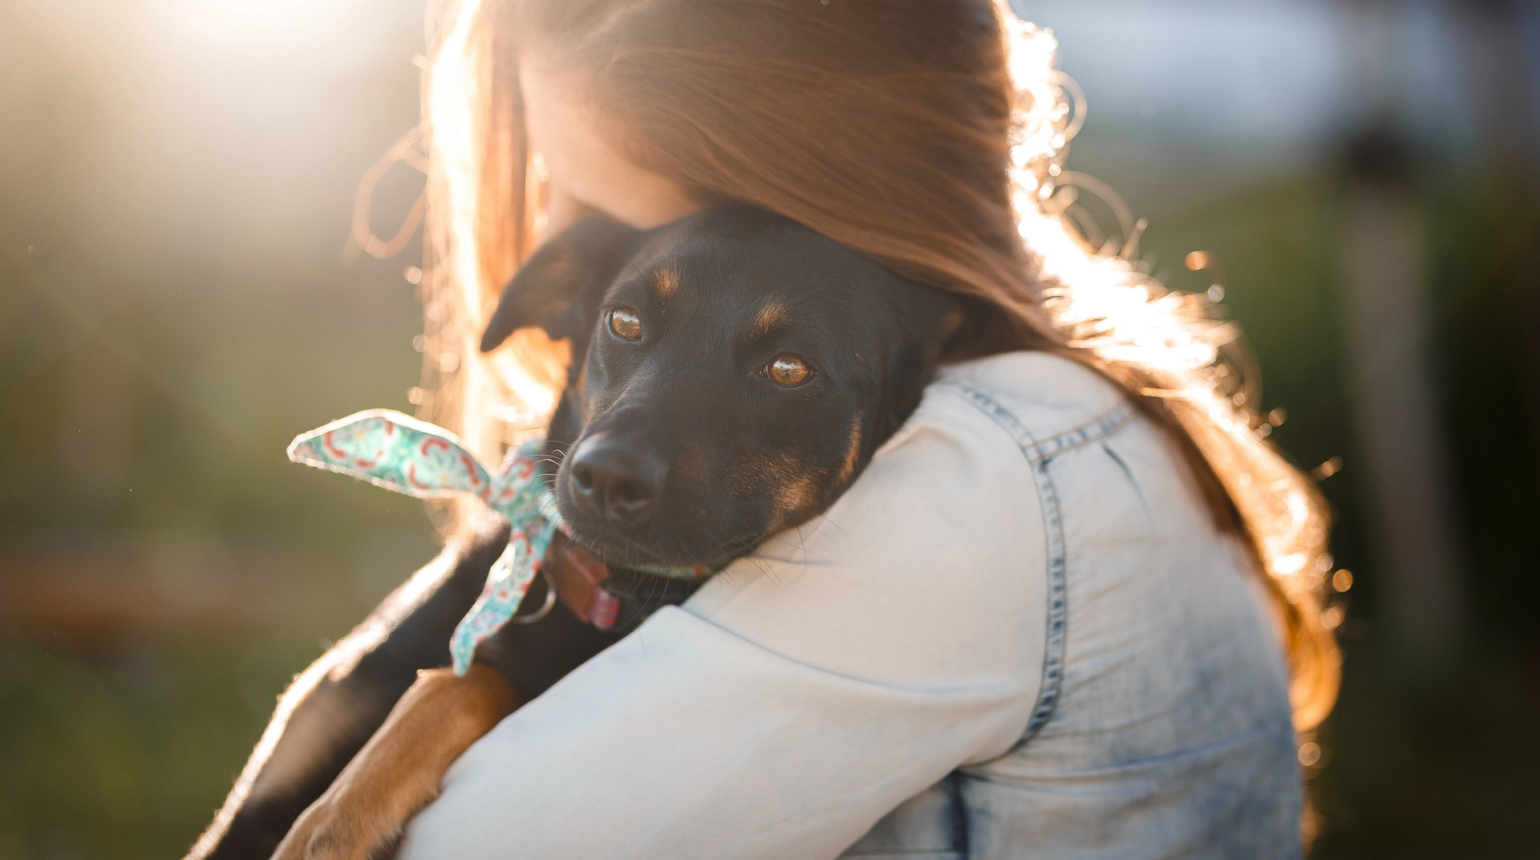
x=261 y=26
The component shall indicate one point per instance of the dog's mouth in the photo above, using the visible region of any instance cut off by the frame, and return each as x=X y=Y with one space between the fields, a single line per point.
x=619 y=550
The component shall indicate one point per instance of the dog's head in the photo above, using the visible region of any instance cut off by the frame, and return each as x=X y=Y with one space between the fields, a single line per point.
x=732 y=374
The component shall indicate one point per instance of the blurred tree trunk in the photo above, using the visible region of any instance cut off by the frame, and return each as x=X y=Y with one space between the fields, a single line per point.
x=1395 y=402
x=1396 y=417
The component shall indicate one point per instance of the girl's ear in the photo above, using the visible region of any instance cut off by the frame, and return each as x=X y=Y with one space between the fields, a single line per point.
x=560 y=287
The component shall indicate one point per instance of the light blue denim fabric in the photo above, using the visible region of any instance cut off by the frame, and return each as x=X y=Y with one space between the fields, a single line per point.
x=1079 y=599
x=1162 y=727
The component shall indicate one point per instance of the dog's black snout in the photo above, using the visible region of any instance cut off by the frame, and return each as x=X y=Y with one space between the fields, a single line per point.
x=615 y=481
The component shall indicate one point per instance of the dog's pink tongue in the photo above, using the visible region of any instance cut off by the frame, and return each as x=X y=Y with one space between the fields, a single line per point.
x=578 y=574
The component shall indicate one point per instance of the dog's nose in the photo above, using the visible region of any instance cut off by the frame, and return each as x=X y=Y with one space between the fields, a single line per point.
x=615 y=481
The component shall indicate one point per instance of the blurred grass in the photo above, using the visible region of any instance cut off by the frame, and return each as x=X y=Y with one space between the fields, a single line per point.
x=1433 y=770
x=127 y=754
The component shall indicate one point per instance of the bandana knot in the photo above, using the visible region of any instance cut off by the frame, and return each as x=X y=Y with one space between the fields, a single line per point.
x=400 y=453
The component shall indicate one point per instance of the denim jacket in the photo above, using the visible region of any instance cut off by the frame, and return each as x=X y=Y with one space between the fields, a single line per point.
x=1018 y=635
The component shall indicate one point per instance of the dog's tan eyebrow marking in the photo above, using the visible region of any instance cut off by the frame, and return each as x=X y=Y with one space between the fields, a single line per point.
x=666 y=282
x=770 y=316
x=852 y=454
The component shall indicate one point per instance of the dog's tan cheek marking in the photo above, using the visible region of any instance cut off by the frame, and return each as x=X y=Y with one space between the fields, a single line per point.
x=770 y=316
x=795 y=491
x=582 y=388
x=692 y=463
x=786 y=480
x=853 y=453
x=795 y=497
x=666 y=282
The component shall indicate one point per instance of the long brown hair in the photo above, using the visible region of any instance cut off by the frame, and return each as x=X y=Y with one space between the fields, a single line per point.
x=929 y=135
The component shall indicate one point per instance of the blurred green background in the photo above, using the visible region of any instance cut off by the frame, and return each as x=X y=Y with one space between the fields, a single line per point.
x=176 y=302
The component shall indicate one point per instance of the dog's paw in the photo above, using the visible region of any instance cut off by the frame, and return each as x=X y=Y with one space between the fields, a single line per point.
x=326 y=831
x=397 y=773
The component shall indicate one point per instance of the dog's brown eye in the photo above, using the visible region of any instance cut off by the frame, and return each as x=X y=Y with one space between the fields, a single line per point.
x=787 y=370
x=625 y=323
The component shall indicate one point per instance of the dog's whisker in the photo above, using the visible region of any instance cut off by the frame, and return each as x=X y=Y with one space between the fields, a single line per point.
x=778 y=539
x=830 y=522
x=810 y=524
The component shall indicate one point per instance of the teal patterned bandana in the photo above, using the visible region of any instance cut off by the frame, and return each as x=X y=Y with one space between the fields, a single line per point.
x=400 y=453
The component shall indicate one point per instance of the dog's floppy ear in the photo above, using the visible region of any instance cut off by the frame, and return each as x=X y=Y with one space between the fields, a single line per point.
x=560 y=287
x=933 y=317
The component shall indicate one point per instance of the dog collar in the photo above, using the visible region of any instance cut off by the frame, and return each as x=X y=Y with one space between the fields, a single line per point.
x=400 y=453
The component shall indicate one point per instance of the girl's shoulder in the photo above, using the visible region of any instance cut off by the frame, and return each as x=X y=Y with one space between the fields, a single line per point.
x=1042 y=401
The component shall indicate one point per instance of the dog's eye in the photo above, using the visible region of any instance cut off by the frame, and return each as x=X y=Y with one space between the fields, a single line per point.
x=625 y=323
x=788 y=370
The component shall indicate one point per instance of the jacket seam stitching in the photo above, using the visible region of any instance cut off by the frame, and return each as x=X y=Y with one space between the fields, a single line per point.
x=1103 y=426
x=1057 y=615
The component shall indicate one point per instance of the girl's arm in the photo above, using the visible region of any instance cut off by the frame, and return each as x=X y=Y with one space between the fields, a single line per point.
x=802 y=693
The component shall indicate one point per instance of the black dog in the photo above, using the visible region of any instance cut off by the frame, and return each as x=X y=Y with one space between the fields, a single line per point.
x=733 y=373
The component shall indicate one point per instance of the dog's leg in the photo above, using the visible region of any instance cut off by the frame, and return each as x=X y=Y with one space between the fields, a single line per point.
x=397 y=773
x=333 y=707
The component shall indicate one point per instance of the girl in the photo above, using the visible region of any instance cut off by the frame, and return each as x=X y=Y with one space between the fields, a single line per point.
x=1071 y=609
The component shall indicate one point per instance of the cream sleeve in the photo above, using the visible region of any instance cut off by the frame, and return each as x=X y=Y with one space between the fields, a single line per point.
x=802 y=693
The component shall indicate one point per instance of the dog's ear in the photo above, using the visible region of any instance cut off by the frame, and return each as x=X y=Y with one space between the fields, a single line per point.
x=560 y=287
x=933 y=317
